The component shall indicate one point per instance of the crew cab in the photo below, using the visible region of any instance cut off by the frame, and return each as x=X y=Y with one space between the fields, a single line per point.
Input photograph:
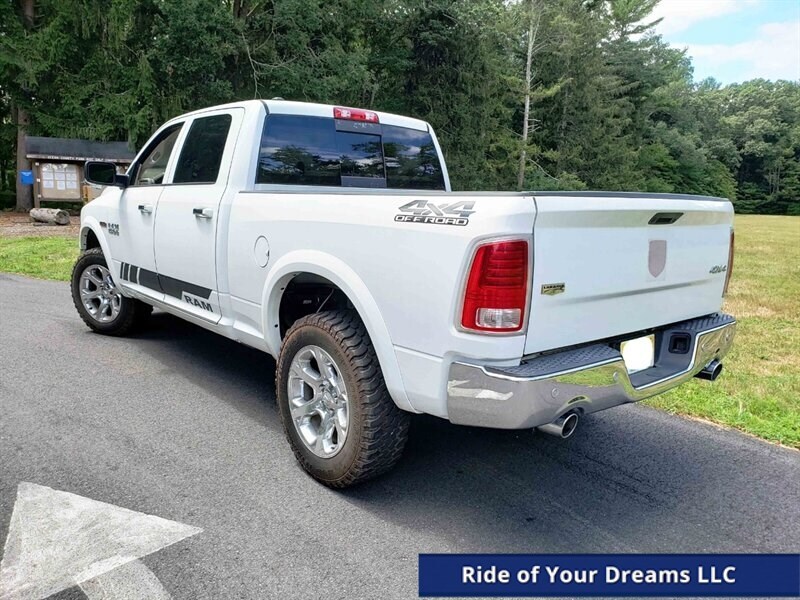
x=329 y=238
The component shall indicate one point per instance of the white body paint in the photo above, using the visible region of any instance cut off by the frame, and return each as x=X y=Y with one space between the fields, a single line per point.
x=57 y=540
x=406 y=279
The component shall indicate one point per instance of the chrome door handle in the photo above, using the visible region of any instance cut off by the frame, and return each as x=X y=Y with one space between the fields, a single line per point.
x=203 y=213
x=146 y=208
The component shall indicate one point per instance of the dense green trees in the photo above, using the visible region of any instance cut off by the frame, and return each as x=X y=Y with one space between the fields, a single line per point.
x=609 y=104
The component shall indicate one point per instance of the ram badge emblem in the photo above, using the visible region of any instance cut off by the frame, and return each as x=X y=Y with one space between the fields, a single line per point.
x=551 y=289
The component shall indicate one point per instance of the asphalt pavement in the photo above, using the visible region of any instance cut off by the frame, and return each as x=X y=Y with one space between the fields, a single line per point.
x=180 y=423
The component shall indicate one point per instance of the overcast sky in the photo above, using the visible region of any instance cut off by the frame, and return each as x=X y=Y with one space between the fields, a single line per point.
x=735 y=40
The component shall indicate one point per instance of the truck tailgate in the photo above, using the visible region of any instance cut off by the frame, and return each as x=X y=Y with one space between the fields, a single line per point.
x=610 y=264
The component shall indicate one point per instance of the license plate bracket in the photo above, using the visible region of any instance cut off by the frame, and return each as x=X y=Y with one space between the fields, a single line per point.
x=638 y=353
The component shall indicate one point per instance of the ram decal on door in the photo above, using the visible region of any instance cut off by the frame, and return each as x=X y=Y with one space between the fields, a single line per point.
x=198 y=302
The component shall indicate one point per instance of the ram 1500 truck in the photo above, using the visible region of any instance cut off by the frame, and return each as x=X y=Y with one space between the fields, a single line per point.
x=329 y=238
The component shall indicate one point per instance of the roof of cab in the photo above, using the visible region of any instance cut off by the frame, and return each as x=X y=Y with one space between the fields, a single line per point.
x=311 y=109
x=199 y=111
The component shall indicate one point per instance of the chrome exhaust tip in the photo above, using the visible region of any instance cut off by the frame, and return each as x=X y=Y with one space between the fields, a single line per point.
x=563 y=427
x=711 y=371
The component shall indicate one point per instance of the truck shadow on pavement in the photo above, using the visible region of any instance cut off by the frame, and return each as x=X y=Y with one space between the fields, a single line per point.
x=630 y=480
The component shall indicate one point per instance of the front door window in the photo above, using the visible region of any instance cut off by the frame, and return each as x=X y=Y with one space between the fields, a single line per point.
x=153 y=165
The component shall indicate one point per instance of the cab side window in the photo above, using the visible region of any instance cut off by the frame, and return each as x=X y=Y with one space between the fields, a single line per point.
x=201 y=155
x=151 y=168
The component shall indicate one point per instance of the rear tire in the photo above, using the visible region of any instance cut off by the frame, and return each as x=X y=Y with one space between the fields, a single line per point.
x=337 y=414
x=98 y=300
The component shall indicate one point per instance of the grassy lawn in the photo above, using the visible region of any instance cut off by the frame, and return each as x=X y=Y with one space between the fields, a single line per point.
x=759 y=391
x=42 y=257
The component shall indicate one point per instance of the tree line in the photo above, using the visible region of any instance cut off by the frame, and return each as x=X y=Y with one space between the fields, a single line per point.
x=532 y=94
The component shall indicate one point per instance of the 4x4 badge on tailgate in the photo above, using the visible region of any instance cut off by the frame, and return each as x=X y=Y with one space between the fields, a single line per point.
x=551 y=289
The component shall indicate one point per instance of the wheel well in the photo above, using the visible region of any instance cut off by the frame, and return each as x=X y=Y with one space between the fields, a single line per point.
x=90 y=240
x=307 y=294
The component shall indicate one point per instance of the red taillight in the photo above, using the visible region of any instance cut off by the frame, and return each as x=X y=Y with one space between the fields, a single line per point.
x=497 y=287
x=355 y=114
x=729 y=271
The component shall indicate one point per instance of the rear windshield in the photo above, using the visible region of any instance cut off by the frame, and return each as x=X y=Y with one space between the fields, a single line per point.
x=299 y=150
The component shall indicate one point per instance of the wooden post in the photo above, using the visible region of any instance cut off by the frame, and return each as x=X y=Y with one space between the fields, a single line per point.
x=37 y=185
x=22 y=120
x=24 y=192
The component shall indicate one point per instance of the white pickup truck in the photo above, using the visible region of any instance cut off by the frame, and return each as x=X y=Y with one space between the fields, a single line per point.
x=329 y=238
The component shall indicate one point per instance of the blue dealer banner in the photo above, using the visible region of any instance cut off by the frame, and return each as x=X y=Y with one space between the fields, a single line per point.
x=615 y=575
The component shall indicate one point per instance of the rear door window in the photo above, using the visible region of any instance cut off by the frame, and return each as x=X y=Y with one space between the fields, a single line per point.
x=202 y=150
x=299 y=150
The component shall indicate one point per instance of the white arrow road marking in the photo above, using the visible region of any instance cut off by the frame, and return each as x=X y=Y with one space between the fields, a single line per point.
x=131 y=581
x=57 y=540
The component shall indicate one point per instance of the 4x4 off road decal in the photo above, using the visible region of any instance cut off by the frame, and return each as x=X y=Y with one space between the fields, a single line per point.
x=188 y=292
x=430 y=213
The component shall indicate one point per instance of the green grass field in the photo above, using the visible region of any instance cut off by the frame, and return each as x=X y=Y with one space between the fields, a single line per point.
x=42 y=257
x=759 y=391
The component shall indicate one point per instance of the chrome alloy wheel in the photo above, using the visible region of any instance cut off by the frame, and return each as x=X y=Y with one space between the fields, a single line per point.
x=99 y=294
x=318 y=401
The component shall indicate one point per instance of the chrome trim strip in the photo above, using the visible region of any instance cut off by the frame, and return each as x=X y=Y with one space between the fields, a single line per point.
x=635 y=292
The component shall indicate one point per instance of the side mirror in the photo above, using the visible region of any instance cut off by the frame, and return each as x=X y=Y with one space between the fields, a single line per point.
x=103 y=173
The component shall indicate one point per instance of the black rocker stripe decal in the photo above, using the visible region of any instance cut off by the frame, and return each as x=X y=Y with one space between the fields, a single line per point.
x=175 y=288
x=162 y=283
x=149 y=279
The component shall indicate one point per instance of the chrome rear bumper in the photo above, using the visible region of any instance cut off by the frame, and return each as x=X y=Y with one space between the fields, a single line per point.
x=587 y=379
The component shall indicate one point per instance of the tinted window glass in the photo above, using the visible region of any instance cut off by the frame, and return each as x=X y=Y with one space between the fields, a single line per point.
x=299 y=150
x=360 y=154
x=150 y=170
x=202 y=151
x=411 y=159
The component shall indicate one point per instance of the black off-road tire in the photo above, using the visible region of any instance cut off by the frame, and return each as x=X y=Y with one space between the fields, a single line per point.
x=378 y=429
x=132 y=314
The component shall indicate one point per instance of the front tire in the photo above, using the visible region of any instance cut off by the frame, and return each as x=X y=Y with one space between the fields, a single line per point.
x=337 y=414
x=98 y=300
